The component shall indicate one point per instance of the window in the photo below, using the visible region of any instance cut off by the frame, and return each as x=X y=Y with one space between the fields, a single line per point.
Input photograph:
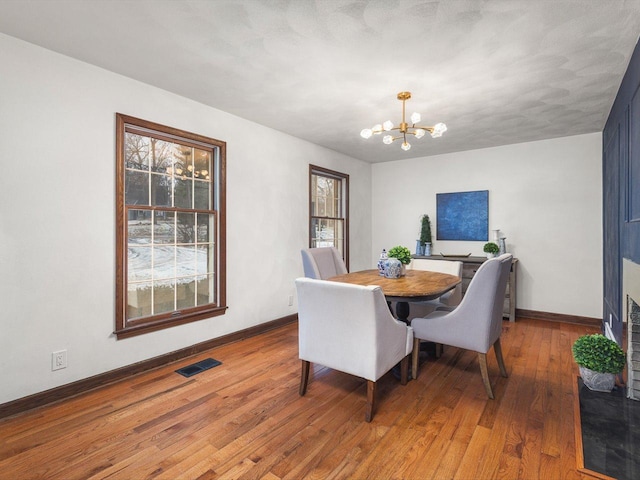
x=170 y=227
x=329 y=210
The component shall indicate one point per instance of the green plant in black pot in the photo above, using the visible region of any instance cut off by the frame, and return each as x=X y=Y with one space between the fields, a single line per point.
x=599 y=359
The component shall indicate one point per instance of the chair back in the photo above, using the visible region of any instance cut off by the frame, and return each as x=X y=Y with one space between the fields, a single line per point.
x=484 y=301
x=453 y=297
x=349 y=328
x=322 y=263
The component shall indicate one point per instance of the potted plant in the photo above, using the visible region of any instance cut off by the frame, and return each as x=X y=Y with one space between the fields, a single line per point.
x=425 y=235
x=400 y=254
x=599 y=360
x=491 y=249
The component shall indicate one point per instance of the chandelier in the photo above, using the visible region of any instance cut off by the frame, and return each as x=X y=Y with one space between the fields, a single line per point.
x=404 y=129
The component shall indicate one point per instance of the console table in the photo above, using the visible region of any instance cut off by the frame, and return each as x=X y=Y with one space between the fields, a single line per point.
x=470 y=266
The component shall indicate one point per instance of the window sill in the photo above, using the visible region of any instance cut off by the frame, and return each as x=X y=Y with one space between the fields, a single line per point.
x=152 y=326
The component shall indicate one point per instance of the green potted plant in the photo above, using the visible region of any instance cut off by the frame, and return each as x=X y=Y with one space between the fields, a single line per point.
x=425 y=235
x=599 y=360
x=401 y=254
x=491 y=249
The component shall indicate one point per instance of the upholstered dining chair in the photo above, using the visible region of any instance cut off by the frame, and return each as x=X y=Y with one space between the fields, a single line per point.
x=322 y=263
x=476 y=324
x=349 y=328
x=449 y=300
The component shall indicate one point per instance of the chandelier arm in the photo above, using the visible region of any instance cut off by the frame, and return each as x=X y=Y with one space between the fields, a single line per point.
x=383 y=130
x=428 y=129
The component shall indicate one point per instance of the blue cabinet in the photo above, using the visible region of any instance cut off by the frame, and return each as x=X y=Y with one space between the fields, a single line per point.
x=621 y=191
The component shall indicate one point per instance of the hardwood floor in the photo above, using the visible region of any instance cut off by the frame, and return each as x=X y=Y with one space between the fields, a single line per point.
x=245 y=419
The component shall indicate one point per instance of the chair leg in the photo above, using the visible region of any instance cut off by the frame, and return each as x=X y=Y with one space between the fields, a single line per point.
x=498 y=349
x=482 y=359
x=415 y=356
x=404 y=370
x=439 y=350
x=304 y=377
x=371 y=396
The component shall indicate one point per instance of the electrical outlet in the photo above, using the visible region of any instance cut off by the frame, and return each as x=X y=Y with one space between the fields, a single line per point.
x=58 y=360
x=290 y=300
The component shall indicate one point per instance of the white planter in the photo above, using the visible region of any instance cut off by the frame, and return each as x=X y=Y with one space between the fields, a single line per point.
x=596 y=381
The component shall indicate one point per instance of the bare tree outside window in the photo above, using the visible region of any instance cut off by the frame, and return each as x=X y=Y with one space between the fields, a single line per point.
x=170 y=228
x=329 y=209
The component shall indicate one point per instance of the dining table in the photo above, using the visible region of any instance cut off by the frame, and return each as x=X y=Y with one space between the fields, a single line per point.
x=414 y=286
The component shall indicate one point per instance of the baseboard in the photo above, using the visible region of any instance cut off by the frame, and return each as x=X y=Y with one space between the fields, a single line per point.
x=559 y=317
x=71 y=389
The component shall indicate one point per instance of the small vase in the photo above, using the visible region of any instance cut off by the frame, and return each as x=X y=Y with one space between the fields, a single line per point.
x=502 y=245
x=596 y=381
x=419 y=248
x=491 y=255
x=383 y=258
x=427 y=249
x=392 y=268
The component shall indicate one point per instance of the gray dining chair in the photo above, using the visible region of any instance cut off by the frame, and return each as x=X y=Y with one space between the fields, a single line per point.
x=476 y=324
x=447 y=301
x=322 y=263
x=349 y=328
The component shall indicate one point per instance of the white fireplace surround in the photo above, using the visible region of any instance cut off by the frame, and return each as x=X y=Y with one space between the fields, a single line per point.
x=631 y=289
x=630 y=284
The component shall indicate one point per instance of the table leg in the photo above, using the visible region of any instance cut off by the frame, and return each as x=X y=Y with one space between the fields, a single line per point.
x=402 y=312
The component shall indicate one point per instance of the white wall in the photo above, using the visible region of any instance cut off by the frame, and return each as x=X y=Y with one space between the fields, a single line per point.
x=545 y=197
x=57 y=223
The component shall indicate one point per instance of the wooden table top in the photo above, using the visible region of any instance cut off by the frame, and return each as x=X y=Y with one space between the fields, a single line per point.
x=417 y=285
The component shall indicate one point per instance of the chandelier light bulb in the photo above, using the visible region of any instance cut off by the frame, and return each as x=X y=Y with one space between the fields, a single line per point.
x=366 y=133
x=405 y=146
x=438 y=130
x=387 y=139
x=419 y=133
x=415 y=118
x=388 y=125
x=377 y=129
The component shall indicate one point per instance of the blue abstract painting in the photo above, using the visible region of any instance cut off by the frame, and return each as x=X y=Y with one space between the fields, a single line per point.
x=463 y=215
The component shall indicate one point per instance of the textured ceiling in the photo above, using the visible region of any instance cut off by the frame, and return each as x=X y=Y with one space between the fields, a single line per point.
x=495 y=71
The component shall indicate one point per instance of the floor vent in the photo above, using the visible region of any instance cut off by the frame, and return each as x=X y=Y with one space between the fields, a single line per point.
x=191 y=370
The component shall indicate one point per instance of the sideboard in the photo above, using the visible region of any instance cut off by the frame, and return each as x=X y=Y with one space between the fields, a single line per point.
x=470 y=266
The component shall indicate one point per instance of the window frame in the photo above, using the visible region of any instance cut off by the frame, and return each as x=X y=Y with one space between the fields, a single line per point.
x=344 y=178
x=127 y=328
